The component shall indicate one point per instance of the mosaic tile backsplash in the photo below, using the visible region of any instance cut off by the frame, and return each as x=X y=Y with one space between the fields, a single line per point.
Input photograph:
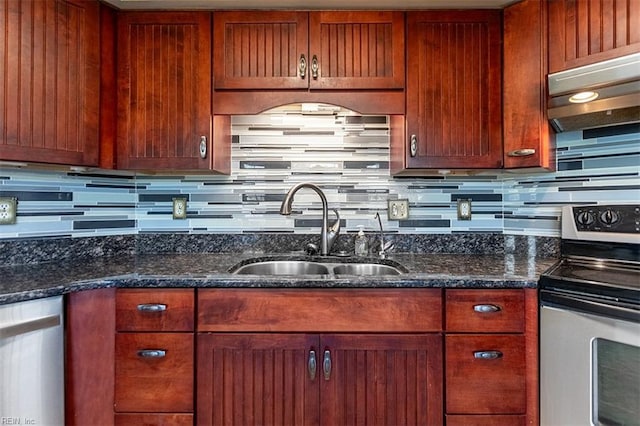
x=347 y=155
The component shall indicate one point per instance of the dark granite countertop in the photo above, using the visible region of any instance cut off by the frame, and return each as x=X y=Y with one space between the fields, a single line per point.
x=25 y=282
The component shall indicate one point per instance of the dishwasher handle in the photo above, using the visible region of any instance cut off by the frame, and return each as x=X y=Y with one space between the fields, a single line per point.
x=29 y=326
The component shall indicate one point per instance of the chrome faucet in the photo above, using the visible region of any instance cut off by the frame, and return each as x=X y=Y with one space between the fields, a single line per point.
x=328 y=235
x=383 y=247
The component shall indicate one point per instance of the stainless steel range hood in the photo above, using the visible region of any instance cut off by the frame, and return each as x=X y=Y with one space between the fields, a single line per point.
x=617 y=84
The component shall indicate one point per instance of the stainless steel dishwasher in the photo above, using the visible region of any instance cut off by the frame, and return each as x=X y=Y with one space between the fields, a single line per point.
x=32 y=362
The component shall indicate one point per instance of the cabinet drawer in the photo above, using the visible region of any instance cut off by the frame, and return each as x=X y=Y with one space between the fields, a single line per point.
x=154 y=310
x=485 y=385
x=485 y=420
x=335 y=310
x=154 y=384
x=484 y=311
x=154 y=419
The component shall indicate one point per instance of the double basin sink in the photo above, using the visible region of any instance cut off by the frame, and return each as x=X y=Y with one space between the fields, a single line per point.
x=312 y=267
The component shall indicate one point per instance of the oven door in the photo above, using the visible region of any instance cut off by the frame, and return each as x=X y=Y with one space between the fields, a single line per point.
x=589 y=369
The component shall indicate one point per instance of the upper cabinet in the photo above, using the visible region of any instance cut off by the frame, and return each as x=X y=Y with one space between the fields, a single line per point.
x=164 y=94
x=50 y=81
x=316 y=50
x=453 y=117
x=529 y=141
x=583 y=32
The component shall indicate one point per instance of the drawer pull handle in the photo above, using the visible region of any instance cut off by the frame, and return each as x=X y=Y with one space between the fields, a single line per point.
x=524 y=152
x=313 y=365
x=152 y=307
x=152 y=353
x=486 y=309
x=487 y=354
x=326 y=365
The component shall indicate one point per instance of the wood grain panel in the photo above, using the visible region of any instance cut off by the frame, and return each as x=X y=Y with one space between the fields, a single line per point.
x=383 y=380
x=153 y=419
x=50 y=91
x=164 y=90
x=379 y=310
x=485 y=386
x=583 y=32
x=256 y=379
x=453 y=89
x=257 y=50
x=461 y=316
x=486 y=420
x=154 y=385
x=524 y=96
x=178 y=316
x=357 y=50
x=89 y=357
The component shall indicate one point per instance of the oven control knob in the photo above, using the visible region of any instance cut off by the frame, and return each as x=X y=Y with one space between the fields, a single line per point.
x=585 y=218
x=609 y=217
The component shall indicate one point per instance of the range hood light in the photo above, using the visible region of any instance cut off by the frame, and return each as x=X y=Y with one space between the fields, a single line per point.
x=583 y=97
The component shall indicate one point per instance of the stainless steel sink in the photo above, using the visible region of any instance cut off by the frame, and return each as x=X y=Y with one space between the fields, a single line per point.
x=303 y=267
x=283 y=267
x=372 y=269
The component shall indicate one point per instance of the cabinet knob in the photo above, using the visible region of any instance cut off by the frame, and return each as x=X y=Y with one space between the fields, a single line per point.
x=203 y=147
x=413 y=145
x=487 y=354
x=486 y=309
x=326 y=365
x=302 y=66
x=312 y=365
x=314 y=67
x=152 y=353
x=152 y=307
x=524 y=152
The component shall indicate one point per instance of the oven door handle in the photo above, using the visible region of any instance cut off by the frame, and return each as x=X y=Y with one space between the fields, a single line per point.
x=584 y=305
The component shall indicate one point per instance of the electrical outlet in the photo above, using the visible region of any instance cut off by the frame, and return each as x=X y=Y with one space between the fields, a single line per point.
x=8 y=210
x=179 y=208
x=398 y=209
x=464 y=209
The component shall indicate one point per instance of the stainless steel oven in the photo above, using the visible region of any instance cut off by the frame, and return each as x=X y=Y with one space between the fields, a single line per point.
x=590 y=320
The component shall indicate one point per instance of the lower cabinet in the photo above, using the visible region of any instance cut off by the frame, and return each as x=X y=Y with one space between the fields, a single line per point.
x=319 y=379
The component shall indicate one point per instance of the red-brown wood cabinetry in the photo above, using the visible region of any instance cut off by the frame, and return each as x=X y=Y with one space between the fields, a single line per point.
x=287 y=56
x=454 y=114
x=164 y=94
x=50 y=81
x=583 y=32
x=319 y=376
x=529 y=141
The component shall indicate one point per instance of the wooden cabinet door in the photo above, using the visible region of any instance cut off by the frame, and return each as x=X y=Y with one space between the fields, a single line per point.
x=50 y=81
x=164 y=90
x=260 y=50
x=454 y=78
x=381 y=379
x=257 y=379
x=529 y=140
x=583 y=32
x=356 y=50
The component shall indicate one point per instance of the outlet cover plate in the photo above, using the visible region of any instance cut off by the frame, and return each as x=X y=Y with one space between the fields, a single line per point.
x=179 y=208
x=8 y=210
x=464 y=209
x=398 y=209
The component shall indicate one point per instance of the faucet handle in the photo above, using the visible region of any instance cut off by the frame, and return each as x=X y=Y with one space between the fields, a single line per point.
x=335 y=227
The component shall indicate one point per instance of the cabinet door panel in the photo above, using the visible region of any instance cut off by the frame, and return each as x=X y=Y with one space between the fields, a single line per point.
x=454 y=89
x=477 y=385
x=164 y=90
x=50 y=81
x=357 y=50
x=583 y=32
x=258 y=50
x=382 y=379
x=484 y=311
x=256 y=379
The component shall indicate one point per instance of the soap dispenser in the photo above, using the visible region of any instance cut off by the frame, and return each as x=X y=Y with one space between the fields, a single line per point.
x=361 y=243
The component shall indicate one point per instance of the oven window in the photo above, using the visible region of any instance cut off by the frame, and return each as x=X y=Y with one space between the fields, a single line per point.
x=616 y=387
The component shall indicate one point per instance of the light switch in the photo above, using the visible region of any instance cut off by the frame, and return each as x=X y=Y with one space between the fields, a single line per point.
x=8 y=210
x=179 y=208
x=398 y=209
